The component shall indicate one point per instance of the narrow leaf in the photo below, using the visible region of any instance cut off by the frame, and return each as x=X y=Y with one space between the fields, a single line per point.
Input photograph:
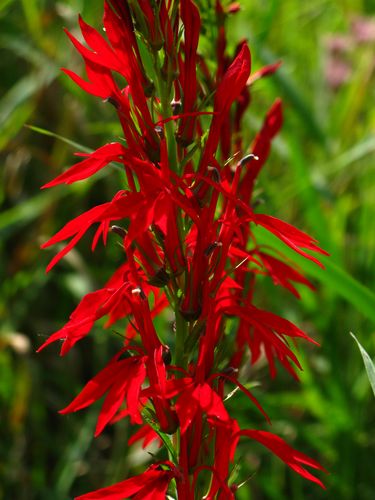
x=369 y=365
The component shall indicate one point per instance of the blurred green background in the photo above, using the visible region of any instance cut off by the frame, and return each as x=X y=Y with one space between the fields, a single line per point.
x=320 y=177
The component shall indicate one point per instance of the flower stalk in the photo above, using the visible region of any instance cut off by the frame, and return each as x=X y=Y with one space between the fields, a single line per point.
x=188 y=248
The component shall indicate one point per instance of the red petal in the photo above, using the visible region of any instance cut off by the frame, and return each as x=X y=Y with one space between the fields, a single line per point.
x=124 y=489
x=290 y=235
x=210 y=402
x=81 y=320
x=234 y=80
x=286 y=453
x=262 y=72
x=94 y=389
x=146 y=433
x=95 y=161
x=112 y=401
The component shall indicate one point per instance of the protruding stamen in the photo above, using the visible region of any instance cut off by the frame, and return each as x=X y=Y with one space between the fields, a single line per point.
x=247 y=159
x=160 y=131
x=167 y=356
x=112 y=101
x=140 y=292
x=230 y=370
x=119 y=230
x=215 y=174
x=212 y=247
x=176 y=107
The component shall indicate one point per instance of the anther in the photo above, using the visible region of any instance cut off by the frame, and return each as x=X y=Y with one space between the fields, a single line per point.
x=160 y=131
x=215 y=174
x=230 y=370
x=212 y=247
x=167 y=356
x=118 y=230
x=112 y=101
x=247 y=159
x=140 y=292
x=176 y=106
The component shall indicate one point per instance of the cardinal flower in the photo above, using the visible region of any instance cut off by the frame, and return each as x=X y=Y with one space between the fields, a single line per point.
x=184 y=215
x=151 y=485
x=121 y=379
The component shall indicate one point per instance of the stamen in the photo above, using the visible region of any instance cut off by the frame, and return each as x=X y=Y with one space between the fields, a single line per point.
x=140 y=292
x=212 y=247
x=176 y=107
x=160 y=131
x=215 y=174
x=247 y=159
x=119 y=230
x=112 y=101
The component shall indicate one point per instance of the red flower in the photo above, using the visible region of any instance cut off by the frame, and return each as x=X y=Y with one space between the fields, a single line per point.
x=93 y=306
x=151 y=485
x=121 y=379
x=185 y=223
x=261 y=149
x=283 y=274
x=191 y=20
x=95 y=161
x=147 y=434
x=295 y=459
x=227 y=92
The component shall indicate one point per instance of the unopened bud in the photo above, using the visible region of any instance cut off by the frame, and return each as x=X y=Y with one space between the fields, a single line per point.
x=233 y=8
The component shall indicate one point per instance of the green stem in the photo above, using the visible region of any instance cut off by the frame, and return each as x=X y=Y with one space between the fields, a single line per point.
x=164 y=88
x=181 y=333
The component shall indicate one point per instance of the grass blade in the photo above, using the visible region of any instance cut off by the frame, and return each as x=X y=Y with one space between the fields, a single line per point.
x=369 y=365
x=74 y=144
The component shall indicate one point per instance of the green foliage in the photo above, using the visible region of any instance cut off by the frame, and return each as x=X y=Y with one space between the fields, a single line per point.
x=320 y=178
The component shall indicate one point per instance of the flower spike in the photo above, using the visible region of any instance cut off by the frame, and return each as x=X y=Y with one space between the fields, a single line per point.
x=185 y=297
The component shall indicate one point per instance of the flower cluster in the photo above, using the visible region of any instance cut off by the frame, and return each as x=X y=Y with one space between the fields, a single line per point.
x=185 y=219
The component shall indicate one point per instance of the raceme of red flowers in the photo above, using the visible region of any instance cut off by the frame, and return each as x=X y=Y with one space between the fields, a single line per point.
x=185 y=218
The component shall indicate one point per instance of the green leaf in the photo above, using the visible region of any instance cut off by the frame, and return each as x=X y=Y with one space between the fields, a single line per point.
x=369 y=365
x=346 y=159
x=74 y=144
x=16 y=105
x=67 y=469
x=29 y=209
